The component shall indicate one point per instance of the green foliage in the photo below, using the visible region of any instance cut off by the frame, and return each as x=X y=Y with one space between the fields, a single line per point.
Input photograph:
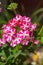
x=41 y=32
x=41 y=40
x=37 y=12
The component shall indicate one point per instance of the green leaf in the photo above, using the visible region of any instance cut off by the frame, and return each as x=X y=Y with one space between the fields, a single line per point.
x=3 y=54
x=16 y=49
x=1 y=63
x=12 y=6
x=37 y=19
x=17 y=54
x=41 y=40
x=23 y=54
x=9 y=58
x=36 y=12
x=41 y=32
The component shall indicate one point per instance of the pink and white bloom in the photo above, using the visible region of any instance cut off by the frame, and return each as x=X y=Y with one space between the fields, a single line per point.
x=18 y=17
x=36 y=42
x=33 y=27
x=4 y=26
x=12 y=31
x=24 y=42
x=23 y=34
x=6 y=29
x=25 y=25
x=9 y=30
x=2 y=41
x=16 y=41
x=12 y=22
x=7 y=37
x=27 y=19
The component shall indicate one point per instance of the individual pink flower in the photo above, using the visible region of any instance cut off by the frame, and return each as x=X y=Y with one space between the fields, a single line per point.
x=6 y=28
x=15 y=21
x=33 y=27
x=7 y=37
x=36 y=42
x=23 y=33
x=13 y=44
x=12 y=22
x=12 y=31
x=2 y=41
x=8 y=33
x=15 y=41
x=4 y=36
x=24 y=42
x=27 y=19
x=25 y=25
x=18 y=17
x=9 y=30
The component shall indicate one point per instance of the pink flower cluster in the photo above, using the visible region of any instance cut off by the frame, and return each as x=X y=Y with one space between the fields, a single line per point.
x=19 y=30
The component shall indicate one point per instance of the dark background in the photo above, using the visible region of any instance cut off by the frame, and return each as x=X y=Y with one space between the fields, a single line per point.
x=29 y=5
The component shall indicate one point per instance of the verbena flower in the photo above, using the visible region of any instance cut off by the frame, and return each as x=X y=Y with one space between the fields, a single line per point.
x=16 y=41
x=2 y=41
x=25 y=42
x=33 y=27
x=23 y=35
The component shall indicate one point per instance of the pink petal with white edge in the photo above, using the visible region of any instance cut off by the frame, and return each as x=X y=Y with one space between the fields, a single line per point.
x=2 y=41
x=36 y=42
x=27 y=19
x=22 y=34
x=24 y=42
x=33 y=28
x=12 y=45
x=18 y=17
